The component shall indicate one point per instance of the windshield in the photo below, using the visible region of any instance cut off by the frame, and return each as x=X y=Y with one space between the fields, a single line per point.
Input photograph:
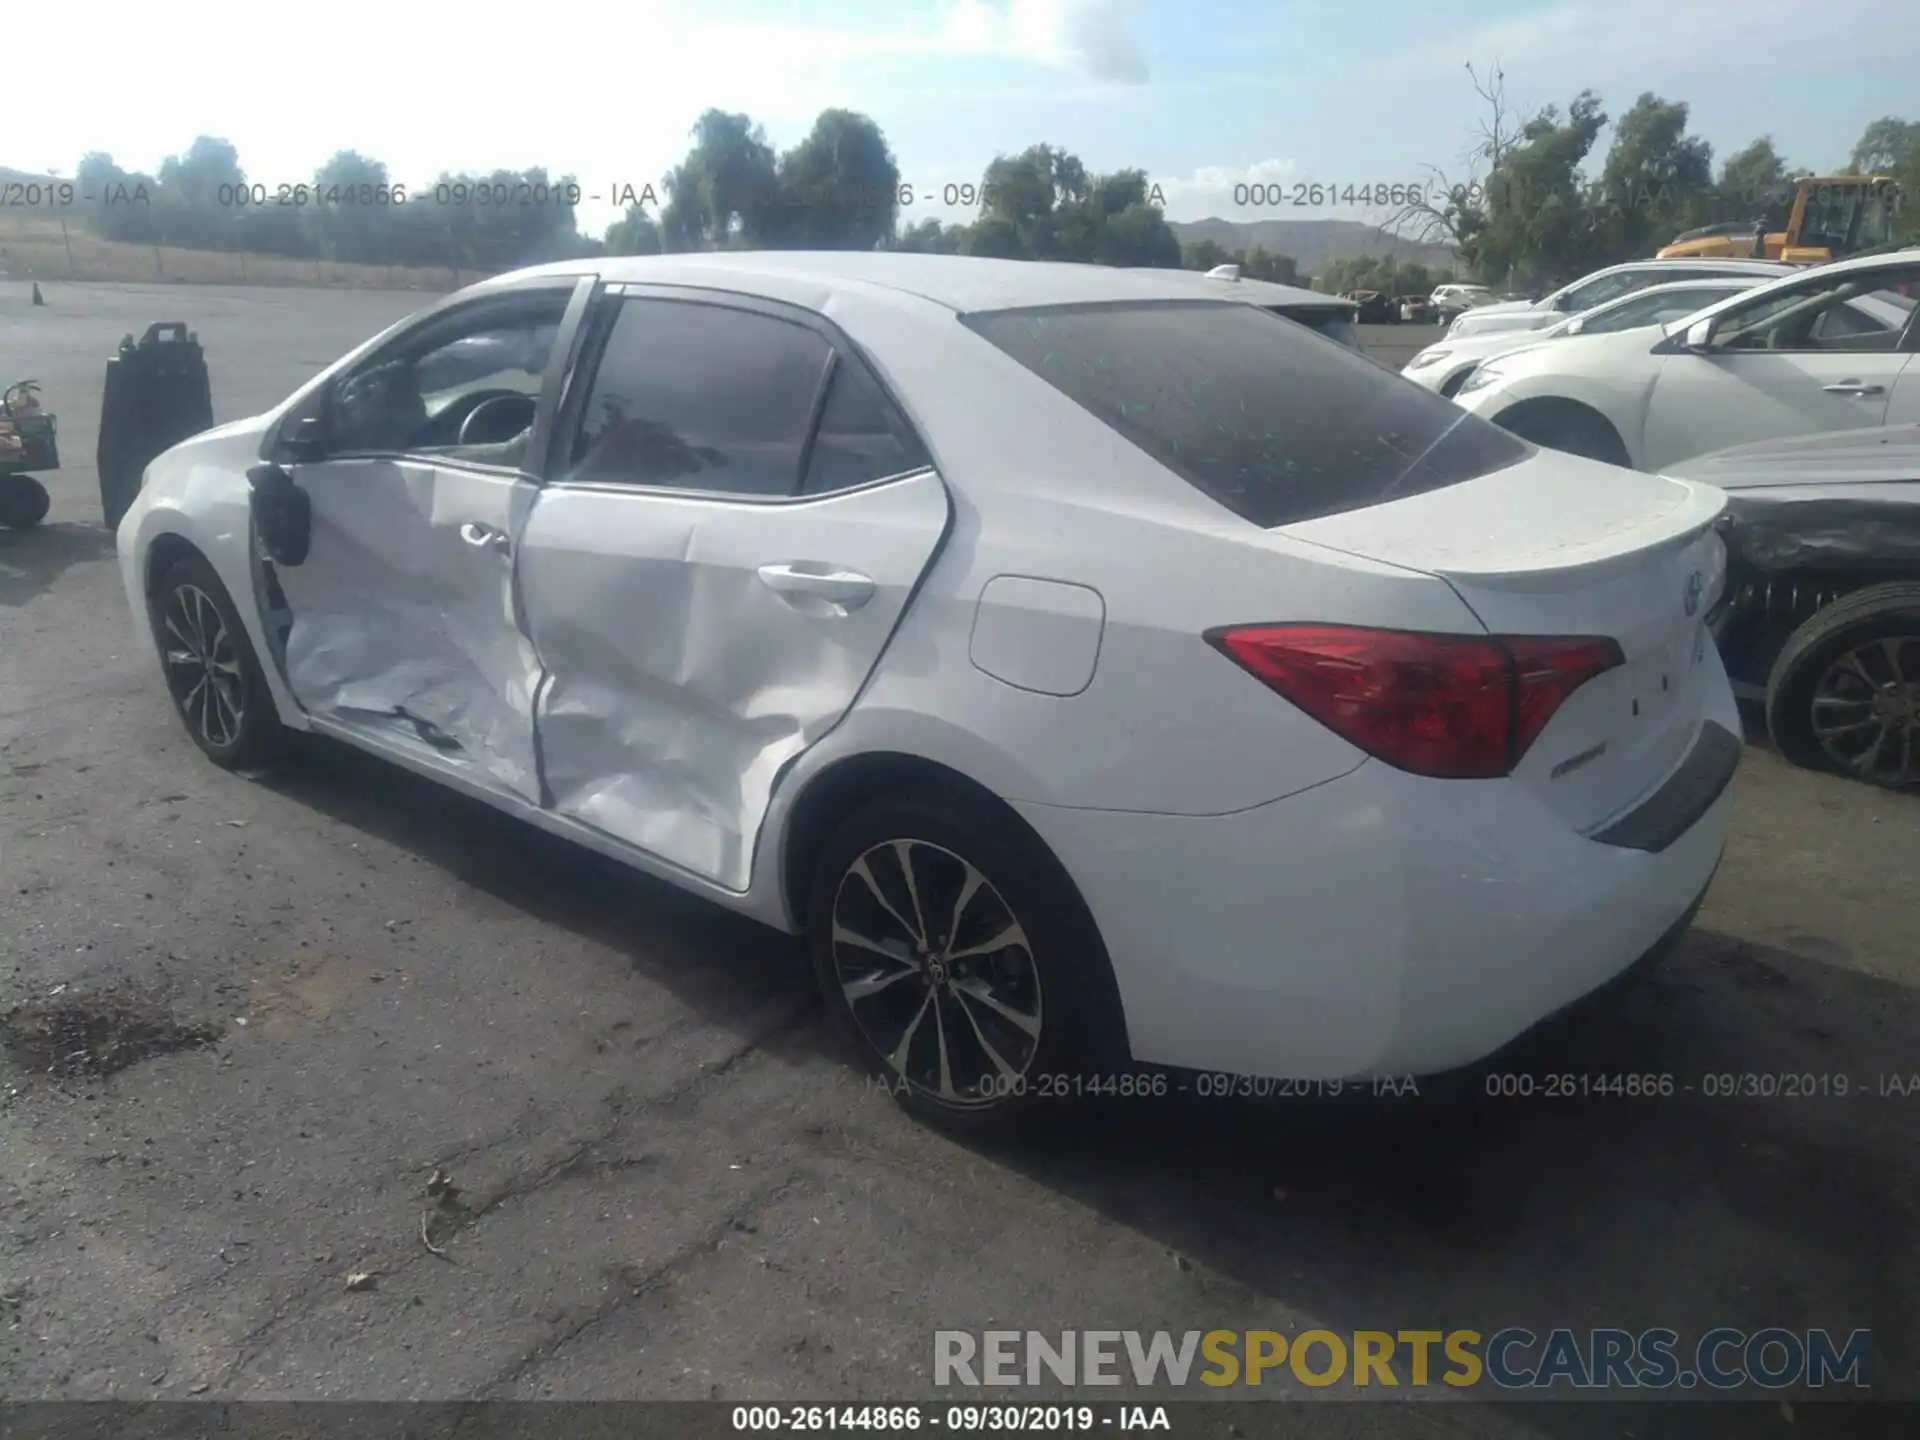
x=1274 y=426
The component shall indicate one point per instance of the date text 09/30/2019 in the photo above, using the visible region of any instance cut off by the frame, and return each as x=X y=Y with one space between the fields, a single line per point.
x=960 y=1419
x=1158 y=1085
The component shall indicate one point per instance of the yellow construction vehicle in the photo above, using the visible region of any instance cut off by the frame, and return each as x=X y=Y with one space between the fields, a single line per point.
x=1829 y=216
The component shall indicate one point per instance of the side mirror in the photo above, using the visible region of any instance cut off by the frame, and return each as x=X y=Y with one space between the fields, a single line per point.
x=307 y=440
x=1574 y=327
x=1700 y=336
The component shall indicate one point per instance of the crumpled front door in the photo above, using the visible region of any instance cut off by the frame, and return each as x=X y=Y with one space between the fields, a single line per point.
x=404 y=625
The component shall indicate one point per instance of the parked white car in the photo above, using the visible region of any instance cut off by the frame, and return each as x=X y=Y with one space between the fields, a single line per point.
x=856 y=593
x=1600 y=287
x=1443 y=366
x=1831 y=348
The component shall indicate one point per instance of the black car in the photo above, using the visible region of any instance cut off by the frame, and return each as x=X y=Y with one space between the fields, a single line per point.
x=1819 y=622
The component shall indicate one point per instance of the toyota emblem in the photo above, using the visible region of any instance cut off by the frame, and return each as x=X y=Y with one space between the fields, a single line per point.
x=1695 y=587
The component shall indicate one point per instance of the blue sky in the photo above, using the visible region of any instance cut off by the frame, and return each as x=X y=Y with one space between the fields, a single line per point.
x=1203 y=94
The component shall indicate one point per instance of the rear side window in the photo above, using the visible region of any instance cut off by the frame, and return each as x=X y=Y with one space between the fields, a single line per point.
x=701 y=397
x=862 y=437
x=1266 y=421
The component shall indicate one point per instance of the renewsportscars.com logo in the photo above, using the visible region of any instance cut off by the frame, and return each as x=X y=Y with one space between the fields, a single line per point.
x=1509 y=1359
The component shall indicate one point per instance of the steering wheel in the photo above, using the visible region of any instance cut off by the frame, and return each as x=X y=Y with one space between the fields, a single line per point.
x=497 y=418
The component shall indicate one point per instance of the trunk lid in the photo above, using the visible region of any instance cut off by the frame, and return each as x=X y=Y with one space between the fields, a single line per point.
x=1557 y=545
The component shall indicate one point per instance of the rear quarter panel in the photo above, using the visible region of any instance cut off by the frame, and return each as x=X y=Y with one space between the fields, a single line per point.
x=1044 y=490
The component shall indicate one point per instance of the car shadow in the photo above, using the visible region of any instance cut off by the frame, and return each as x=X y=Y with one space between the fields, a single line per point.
x=31 y=560
x=1537 y=1194
x=1742 y=1197
x=725 y=967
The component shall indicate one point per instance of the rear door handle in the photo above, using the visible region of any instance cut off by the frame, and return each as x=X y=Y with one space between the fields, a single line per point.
x=844 y=590
x=1853 y=387
x=485 y=537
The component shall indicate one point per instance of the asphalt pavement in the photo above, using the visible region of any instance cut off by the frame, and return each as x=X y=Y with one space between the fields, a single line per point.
x=318 y=991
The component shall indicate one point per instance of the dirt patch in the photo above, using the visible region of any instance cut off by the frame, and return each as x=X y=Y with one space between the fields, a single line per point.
x=83 y=1035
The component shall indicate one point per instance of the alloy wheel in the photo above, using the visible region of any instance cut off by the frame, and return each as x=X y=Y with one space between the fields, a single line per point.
x=938 y=972
x=1866 y=711
x=203 y=666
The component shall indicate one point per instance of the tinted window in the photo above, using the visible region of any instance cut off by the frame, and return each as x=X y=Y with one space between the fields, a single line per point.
x=1858 y=311
x=701 y=397
x=1267 y=421
x=862 y=436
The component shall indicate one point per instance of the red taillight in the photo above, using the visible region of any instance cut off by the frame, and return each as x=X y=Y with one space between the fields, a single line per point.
x=1456 y=707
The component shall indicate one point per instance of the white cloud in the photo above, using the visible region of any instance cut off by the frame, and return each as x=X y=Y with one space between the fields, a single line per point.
x=1090 y=37
x=1632 y=41
x=1233 y=192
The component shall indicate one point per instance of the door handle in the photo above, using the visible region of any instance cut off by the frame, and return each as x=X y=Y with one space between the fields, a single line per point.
x=844 y=590
x=485 y=537
x=1853 y=387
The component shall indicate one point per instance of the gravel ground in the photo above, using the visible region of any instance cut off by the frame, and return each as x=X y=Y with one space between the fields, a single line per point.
x=314 y=991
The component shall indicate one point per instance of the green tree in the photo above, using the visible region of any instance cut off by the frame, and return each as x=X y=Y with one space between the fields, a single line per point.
x=1115 y=222
x=723 y=192
x=1204 y=255
x=1891 y=146
x=634 y=233
x=1260 y=263
x=1022 y=198
x=930 y=237
x=1657 y=180
x=1753 y=184
x=1885 y=145
x=838 y=189
x=1535 y=224
x=346 y=226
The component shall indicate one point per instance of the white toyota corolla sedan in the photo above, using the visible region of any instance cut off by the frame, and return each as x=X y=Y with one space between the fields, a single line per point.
x=1099 y=676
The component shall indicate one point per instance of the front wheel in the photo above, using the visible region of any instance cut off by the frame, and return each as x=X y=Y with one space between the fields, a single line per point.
x=1844 y=694
x=1569 y=429
x=954 y=953
x=24 y=502
x=211 y=671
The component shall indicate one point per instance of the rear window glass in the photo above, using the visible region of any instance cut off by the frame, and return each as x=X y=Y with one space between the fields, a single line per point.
x=1261 y=418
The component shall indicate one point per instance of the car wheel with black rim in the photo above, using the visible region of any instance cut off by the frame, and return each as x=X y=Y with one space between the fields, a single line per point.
x=954 y=952
x=210 y=668
x=1844 y=694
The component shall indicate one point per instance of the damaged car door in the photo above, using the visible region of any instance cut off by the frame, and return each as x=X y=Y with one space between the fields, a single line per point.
x=735 y=517
x=388 y=510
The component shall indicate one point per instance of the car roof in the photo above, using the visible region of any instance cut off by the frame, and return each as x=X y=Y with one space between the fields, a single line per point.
x=1909 y=256
x=1259 y=292
x=1741 y=282
x=1683 y=264
x=962 y=283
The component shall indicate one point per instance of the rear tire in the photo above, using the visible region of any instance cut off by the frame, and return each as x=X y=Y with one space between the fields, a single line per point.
x=207 y=660
x=1844 y=693
x=24 y=502
x=1568 y=429
x=989 y=962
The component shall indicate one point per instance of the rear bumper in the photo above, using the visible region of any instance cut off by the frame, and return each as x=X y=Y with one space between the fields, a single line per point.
x=1381 y=925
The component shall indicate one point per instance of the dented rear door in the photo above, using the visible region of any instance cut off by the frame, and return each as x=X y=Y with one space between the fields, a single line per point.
x=732 y=527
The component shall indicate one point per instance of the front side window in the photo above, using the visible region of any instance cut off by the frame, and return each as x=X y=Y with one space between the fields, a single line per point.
x=1653 y=310
x=1600 y=291
x=466 y=386
x=1262 y=418
x=1865 y=311
x=701 y=397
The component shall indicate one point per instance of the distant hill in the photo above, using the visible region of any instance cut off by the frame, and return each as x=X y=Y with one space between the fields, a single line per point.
x=1311 y=242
